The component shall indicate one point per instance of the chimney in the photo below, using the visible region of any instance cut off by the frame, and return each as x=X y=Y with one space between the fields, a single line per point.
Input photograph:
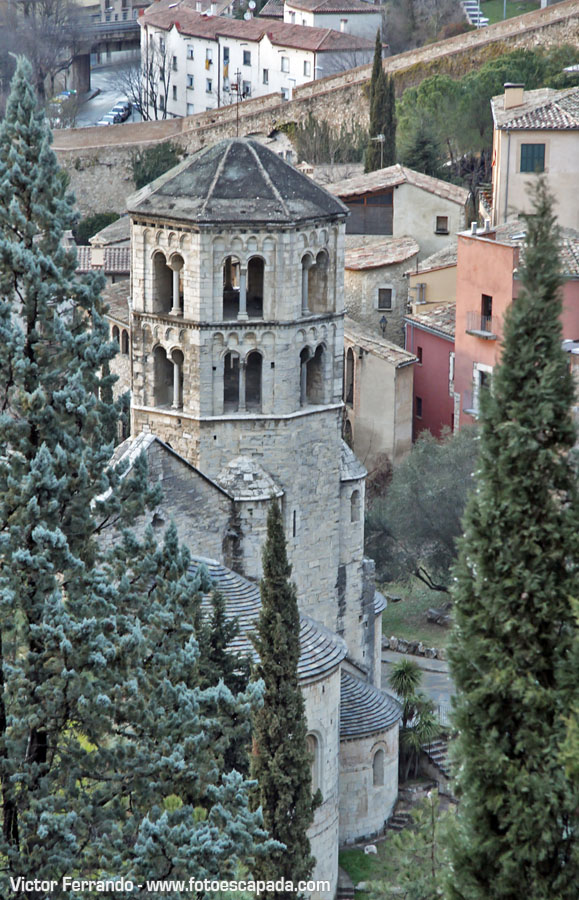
x=513 y=95
x=97 y=257
x=344 y=26
x=473 y=227
x=213 y=9
x=198 y=6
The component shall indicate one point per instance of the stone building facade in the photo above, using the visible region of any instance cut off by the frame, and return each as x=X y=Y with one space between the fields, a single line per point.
x=236 y=335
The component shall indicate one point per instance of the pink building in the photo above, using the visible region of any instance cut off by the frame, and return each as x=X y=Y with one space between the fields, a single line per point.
x=486 y=285
x=429 y=335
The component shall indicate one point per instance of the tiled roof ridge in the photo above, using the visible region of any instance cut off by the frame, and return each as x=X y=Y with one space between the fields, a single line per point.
x=268 y=178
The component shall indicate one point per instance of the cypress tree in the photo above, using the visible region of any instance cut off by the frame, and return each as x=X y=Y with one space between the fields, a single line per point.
x=517 y=824
x=376 y=67
x=106 y=736
x=382 y=121
x=280 y=760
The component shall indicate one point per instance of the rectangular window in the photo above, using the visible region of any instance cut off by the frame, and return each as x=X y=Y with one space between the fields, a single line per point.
x=247 y=57
x=226 y=85
x=307 y=68
x=285 y=64
x=208 y=58
x=174 y=92
x=190 y=52
x=419 y=355
x=161 y=45
x=225 y=55
x=532 y=157
x=208 y=85
x=174 y=63
x=419 y=407
x=161 y=103
x=442 y=224
x=190 y=81
x=285 y=93
x=385 y=298
x=246 y=88
x=450 y=372
x=190 y=109
x=266 y=76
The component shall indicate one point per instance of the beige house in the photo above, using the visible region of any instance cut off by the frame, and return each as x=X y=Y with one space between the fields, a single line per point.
x=397 y=201
x=432 y=281
x=535 y=131
x=375 y=286
x=378 y=383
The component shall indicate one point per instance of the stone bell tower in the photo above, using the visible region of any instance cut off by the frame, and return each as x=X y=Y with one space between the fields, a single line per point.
x=237 y=343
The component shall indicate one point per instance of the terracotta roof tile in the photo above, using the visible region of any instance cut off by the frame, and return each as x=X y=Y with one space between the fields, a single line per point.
x=117 y=298
x=542 y=110
x=117 y=260
x=440 y=318
x=382 y=253
x=378 y=346
x=273 y=9
x=439 y=260
x=335 y=6
x=164 y=15
x=393 y=175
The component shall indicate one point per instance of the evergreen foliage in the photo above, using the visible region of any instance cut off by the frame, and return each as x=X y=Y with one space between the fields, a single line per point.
x=319 y=144
x=422 y=150
x=517 y=829
x=108 y=743
x=382 y=116
x=280 y=759
x=411 y=530
x=153 y=162
x=90 y=225
x=419 y=725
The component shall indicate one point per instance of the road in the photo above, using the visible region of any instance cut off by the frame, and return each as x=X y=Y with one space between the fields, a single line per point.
x=106 y=79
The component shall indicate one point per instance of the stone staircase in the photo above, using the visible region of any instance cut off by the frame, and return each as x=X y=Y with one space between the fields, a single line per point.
x=437 y=752
x=345 y=886
x=398 y=820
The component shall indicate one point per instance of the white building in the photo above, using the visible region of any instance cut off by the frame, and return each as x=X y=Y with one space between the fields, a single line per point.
x=348 y=16
x=199 y=62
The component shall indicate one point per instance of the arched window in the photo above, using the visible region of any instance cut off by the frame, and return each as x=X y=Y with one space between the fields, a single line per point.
x=348 y=434
x=349 y=383
x=231 y=382
x=231 y=287
x=315 y=377
x=163 y=378
x=378 y=768
x=355 y=506
x=125 y=342
x=313 y=748
x=255 y=269
x=253 y=366
x=307 y=263
x=162 y=284
x=116 y=334
x=318 y=300
x=177 y=359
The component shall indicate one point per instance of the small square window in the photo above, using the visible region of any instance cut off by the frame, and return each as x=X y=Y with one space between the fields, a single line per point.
x=442 y=224
x=161 y=45
x=419 y=355
x=384 y=298
x=247 y=57
x=285 y=93
x=246 y=89
x=532 y=157
x=266 y=76
x=419 y=407
x=161 y=103
x=226 y=85
x=285 y=64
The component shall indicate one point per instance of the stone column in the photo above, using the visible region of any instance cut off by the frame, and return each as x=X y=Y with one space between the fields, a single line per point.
x=241 y=386
x=176 y=310
x=176 y=404
x=242 y=314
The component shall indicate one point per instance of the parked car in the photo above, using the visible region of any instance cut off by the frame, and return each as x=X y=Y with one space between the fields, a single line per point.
x=122 y=110
x=109 y=119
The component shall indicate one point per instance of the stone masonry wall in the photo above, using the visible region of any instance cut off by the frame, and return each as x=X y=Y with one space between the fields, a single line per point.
x=99 y=165
x=364 y=807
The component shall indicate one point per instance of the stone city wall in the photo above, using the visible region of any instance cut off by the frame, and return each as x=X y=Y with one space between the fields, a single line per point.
x=99 y=165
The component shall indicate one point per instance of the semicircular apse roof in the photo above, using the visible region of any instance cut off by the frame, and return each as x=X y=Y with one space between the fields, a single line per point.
x=236 y=181
x=320 y=650
x=365 y=709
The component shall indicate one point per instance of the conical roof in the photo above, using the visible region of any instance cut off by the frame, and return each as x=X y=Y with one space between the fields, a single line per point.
x=238 y=181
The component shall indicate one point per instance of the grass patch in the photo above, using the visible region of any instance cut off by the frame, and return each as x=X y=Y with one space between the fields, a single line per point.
x=365 y=868
x=407 y=618
x=493 y=10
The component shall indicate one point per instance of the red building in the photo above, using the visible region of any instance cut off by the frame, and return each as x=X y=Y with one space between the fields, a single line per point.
x=486 y=285
x=429 y=335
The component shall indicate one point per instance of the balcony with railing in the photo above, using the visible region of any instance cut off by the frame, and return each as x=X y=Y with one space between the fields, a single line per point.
x=482 y=326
